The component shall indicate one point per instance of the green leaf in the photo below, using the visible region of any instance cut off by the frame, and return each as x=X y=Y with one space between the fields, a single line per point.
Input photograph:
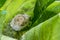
x=48 y=30
x=49 y=12
x=2 y=3
x=54 y=7
x=41 y=5
x=6 y=4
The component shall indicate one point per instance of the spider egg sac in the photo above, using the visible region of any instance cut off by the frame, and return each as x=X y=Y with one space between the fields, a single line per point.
x=19 y=22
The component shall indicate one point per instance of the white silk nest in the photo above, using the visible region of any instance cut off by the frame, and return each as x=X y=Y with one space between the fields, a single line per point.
x=19 y=22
